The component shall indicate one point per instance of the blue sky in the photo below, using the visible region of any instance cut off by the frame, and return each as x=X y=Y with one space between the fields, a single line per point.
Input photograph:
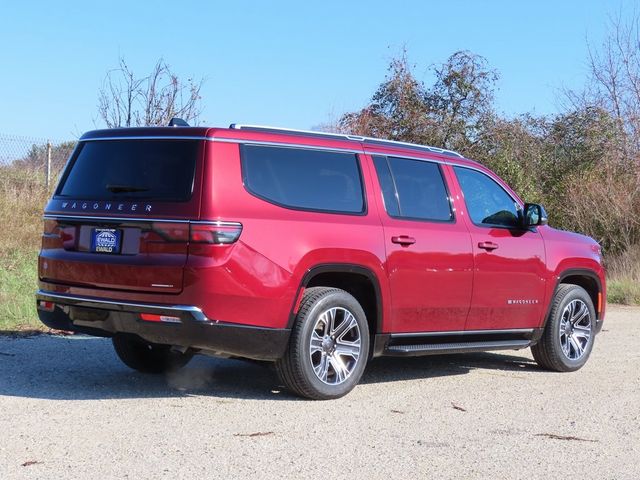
x=291 y=64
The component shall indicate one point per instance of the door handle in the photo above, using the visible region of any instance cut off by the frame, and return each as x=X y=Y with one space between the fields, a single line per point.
x=403 y=240
x=487 y=246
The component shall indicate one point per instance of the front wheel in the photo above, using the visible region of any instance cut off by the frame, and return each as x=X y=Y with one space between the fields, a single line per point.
x=329 y=345
x=568 y=337
x=148 y=357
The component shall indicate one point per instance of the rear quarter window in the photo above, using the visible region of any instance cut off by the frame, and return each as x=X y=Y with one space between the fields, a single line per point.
x=160 y=170
x=304 y=179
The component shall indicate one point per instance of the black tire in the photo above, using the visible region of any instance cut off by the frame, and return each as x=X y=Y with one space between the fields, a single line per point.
x=296 y=368
x=148 y=357
x=549 y=352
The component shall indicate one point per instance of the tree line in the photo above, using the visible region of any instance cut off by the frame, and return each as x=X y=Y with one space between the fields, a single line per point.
x=582 y=163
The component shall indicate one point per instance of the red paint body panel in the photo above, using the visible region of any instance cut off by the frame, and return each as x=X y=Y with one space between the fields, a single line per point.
x=442 y=282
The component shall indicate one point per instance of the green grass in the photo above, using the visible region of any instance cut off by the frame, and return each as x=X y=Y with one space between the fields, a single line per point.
x=18 y=283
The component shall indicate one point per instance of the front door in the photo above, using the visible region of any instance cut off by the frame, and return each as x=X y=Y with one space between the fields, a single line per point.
x=508 y=285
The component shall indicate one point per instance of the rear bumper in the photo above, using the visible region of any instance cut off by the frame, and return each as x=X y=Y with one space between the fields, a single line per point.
x=189 y=329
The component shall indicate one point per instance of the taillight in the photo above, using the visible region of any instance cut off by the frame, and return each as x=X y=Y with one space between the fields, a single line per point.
x=172 y=232
x=217 y=233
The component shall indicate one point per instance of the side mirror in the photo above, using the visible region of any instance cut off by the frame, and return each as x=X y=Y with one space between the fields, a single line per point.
x=534 y=215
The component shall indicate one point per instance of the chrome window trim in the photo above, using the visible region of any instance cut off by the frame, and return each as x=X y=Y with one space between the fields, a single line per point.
x=217 y=223
x=284 y=145
x=53 y=216
x=220 y=223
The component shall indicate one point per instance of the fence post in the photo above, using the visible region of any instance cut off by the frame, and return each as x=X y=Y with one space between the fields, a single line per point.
x=48 y=176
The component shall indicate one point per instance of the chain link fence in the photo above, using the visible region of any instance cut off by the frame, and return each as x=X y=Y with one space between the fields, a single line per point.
x=41 y=157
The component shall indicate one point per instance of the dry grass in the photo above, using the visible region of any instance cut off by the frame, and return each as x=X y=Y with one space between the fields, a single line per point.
x=22 y=199
x=623 y=285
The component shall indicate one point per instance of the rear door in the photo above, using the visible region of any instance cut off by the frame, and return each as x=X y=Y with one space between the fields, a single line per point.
x=509 y=285
x=429 y=257
x=119 y=218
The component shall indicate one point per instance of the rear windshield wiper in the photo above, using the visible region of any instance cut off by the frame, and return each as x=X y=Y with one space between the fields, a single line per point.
x=125 y=188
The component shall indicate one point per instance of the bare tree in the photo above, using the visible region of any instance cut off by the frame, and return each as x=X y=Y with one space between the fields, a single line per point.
x=125 y=100
x=614 y=79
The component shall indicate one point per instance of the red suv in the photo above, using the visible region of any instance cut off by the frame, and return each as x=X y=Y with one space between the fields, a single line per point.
x=314 y=251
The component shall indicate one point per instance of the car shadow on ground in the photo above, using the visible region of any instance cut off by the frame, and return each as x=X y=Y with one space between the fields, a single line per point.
x=86 y=368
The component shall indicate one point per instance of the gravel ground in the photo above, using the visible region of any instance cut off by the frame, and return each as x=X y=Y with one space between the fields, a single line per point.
x=70 y=409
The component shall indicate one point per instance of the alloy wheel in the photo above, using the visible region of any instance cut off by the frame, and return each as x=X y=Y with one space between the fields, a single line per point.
x=575 y=329
x=335 y=344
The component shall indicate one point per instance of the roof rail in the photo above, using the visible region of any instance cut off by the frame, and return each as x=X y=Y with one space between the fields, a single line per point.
x=342 y=136
x=293 y=131
x=413 y=146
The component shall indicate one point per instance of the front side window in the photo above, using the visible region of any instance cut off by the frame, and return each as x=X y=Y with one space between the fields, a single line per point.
x=304 y=179
x=487 y=202
x=413 y=189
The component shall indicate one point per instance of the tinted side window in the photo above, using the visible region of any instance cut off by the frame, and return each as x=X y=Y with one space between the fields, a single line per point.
x=303 y=179
x=486 y=200
x=413 y=189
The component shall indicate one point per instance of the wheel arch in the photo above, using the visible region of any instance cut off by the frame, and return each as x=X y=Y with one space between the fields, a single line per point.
x=587 y=279
x=359 y=281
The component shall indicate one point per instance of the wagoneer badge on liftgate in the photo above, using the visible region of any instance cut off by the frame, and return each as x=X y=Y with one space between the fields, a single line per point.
x=106 y=206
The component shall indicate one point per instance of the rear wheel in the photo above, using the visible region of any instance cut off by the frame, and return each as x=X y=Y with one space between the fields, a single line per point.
x=329 y=345
x=148 y=357
x=568 y=337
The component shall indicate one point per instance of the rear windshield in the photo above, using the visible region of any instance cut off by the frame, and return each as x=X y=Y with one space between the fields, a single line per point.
x=161 y=170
